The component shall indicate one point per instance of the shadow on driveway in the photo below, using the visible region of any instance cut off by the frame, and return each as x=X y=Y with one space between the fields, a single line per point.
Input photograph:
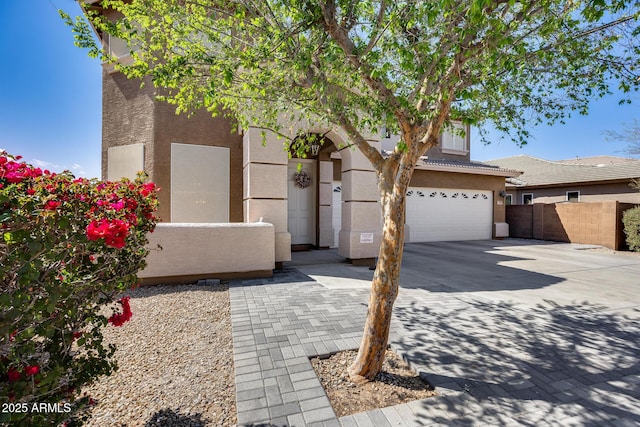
x=435 y=267
x=493 y=362
x=467 y=267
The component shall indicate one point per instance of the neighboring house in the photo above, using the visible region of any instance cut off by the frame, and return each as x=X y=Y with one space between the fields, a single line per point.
x=590 y=179
x=209 y=174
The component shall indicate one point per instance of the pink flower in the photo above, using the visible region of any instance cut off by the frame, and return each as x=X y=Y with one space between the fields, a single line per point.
x=147 y=188
x=113 y=232
x=119 y=319
x=97 y=230
x=52 y=205
x=13 y=375
x=31 y=370
x=118 y=205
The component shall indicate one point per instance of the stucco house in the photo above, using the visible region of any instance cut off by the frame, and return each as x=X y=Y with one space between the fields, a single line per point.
x=230 y=205
x=589 y=179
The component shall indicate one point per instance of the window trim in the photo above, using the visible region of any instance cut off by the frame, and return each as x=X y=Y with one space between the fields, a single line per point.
x=527 y=194
x=572 y=191
x=453 y=135
x=509 y=197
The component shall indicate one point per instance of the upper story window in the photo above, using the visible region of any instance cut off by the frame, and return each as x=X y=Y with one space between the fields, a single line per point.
x=117 y=47
x=455 y=139
x=573 y=196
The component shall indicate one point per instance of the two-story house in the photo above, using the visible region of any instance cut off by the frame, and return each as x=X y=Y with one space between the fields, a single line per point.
x=210 y=174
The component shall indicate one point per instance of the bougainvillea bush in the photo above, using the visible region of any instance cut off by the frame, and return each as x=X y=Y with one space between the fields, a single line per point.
x=69 y=248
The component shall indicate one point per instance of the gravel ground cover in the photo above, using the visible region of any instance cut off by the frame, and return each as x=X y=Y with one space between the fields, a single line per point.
x=176 y=368
x=175 y=361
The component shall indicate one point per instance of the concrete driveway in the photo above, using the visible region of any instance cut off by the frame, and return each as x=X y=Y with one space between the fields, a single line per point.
x=525 y=273
x=511 y=332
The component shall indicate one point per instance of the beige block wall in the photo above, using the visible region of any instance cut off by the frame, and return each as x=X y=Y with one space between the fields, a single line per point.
x=209 y=251
x=596 y=223
x=359 y=185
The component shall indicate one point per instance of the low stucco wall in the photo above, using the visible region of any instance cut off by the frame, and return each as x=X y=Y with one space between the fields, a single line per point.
x=192 y=251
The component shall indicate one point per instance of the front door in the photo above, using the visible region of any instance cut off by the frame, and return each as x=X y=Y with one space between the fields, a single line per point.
x=302 y=203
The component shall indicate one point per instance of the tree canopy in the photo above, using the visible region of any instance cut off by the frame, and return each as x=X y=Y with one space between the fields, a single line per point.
x=362 y=65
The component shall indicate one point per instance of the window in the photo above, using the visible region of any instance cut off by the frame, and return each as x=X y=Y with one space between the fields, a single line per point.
x=454 y=139
x=508 y=199
x=527 y=199
x=199 y=183
x=573 y=196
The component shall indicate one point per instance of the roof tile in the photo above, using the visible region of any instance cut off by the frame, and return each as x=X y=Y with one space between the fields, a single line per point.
x=537 y=172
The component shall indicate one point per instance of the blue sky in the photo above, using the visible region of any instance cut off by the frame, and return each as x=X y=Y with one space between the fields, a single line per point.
x=50 y=90
x=50 y=100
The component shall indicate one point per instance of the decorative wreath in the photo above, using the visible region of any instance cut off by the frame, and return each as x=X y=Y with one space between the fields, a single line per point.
x=302 y=179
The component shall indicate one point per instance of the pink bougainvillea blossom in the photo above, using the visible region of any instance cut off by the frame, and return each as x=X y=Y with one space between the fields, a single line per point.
x=13 y=375
x=119 y=319
x=148 y=188
x=113 y=232
x=52 y=205
x=117 y=205
x=31 y=370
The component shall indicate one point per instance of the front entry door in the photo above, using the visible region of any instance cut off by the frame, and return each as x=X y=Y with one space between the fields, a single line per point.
x=302 y=204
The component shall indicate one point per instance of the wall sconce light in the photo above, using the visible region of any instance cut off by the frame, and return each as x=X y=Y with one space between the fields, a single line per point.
x=315 y=147
x=503 y=193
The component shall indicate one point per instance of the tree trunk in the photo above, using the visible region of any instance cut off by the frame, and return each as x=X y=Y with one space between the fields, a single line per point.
x=384 y=287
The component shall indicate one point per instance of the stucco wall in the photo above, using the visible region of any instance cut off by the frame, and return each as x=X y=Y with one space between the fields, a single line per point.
x=199 y=129
x=132 y=116
x=127 y=116
x=192 y=251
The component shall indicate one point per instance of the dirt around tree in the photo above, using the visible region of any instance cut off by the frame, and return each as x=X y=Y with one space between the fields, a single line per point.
x=397 y=383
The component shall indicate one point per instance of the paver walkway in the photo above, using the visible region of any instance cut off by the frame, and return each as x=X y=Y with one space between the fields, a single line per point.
x=278 y=324
x=493 y=363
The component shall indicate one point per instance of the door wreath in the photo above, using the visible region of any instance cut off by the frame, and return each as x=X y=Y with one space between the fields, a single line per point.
x=302 y=179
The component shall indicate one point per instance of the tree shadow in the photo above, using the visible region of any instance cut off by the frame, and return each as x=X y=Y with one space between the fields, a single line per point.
x=468 y=267
x=548 y=364
x=169 y=418
x=443 y=267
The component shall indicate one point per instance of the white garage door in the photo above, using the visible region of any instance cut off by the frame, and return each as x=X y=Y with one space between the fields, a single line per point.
x=442 y=214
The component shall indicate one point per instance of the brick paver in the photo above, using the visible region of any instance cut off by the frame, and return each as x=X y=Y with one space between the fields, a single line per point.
x=278 y=324
x=492 y=363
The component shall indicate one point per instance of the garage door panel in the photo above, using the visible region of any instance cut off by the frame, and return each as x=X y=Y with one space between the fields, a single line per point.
x=448 y=214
